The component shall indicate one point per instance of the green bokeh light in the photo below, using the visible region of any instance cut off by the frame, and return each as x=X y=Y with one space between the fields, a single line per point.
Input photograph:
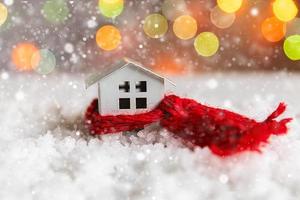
x=55 y=11
x=47 y=61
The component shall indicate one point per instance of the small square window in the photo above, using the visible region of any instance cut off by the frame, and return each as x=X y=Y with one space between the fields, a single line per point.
x=141 y=103
x=125 y=87
x=141 y=86
x=124 y=103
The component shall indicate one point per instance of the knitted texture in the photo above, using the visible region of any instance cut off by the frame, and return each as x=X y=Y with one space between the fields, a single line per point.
x=197 y=125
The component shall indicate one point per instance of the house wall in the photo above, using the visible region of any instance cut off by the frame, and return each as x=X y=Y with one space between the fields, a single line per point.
x=110 y=94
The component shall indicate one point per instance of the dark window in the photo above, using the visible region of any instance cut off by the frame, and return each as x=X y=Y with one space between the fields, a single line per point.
x=141 y=86
x=125 y=87
x=124 y=103
x=141 y=103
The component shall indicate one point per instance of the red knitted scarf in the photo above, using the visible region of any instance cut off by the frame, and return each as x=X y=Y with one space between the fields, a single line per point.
x=224 y=132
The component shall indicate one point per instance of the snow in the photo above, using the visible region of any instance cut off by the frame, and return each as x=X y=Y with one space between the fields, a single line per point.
x=45 y=152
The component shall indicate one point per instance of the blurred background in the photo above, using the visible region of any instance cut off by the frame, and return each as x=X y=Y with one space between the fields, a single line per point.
x=47 y=36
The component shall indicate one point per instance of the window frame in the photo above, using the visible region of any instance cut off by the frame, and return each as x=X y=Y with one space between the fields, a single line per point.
x=127 y=104
x=138 y=86
x=139 y=104
x=122 y=87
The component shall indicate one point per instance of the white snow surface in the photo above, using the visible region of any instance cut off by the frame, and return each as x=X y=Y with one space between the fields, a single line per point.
x=45 y=153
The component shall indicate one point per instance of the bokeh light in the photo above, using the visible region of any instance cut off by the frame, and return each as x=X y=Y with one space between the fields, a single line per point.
x=108 y=37
x=273 y=29
x=55 y=11
x=254 y=12
x=292 y=47
x=3 y=14
x=221 y=19
x=230 y=6
x=155 y=26
x=285 y=10
x=247 y=35
x=111 y=8
x=22 y=55
x=185 y=27
x=172 y=9
x=166 y=63
x=8 y=2
x=206 y=44
x=43 y=61
x=293 y=27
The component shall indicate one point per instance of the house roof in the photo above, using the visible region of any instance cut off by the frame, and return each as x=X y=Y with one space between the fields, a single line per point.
x=119 y=65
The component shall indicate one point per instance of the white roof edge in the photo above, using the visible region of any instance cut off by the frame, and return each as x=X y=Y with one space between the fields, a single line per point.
x=128 y=60
x=119 y=65
x=92 y=79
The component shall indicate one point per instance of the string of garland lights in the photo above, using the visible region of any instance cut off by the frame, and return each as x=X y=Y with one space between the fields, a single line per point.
x=172 y=13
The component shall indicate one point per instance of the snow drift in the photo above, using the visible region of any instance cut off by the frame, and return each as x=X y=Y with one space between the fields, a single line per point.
x=45 y=152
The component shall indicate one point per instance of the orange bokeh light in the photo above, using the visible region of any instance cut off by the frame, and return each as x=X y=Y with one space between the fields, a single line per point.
x=22 y=55
x=273 y=29
x=185 y=27
x=108 y=38
x=167 y=64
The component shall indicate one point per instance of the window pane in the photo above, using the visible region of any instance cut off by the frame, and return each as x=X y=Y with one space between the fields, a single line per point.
x=141 y=86
x=141 y=103
x=124 y=87
x=124 y=103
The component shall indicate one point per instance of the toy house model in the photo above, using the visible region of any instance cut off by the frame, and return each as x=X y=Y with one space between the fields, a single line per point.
x=127 y=88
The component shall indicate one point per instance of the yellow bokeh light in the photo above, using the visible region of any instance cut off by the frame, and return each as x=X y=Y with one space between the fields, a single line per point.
x=185 y=27
x=111 y=8
x=230 y=6
x=221 y=19
x=155 y=26
x=3 y=14
x=206 y=44
x=108 y=37
x=291 y=47
x=285 y=10
x=111 y=1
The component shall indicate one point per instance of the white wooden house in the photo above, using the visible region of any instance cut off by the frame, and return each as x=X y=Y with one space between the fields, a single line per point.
x=127 y=88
